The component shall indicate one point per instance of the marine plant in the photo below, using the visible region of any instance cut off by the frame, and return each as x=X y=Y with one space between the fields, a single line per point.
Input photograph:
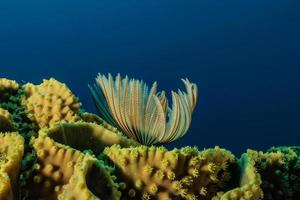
x=142 y=113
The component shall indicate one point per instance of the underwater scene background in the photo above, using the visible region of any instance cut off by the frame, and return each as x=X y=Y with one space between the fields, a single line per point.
x=243 y=55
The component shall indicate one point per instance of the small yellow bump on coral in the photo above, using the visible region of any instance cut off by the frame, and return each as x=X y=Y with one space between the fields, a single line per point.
x=134 y=155
x=69 y=164
x=131 y=193
x=177 y=185
x=57 y=189
x=164 y=164
x=191 y=197
x=171 y=175
x=148 y=169
x=40 y=153
x=146 y=196
x=53 y=149
x=187 y=180
x=210 y=168
x=37 y=166
x=194 y=161
x=57 y=176
x=139 y=184
x=153 y=189
x=194 y=172
x=159 y=174
x=123 y=161
x=213 y=178
x=183 y=192
x=48 y=169
x=203 y=191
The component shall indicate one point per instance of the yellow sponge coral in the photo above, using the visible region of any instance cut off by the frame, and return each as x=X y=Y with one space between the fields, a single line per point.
x=7 y=87
x=6 y=84
x=50 y=102
x=90 y=117
x=90 y=181
x=54 y=167
x=11 y=152
x=249 y=184
x=155 y=173
x=6 y=121
x=86 y=136
x=62 y=171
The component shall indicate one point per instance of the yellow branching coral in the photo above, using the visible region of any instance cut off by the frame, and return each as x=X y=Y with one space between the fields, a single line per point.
x=86 y=136
x=144 y=114
x=62 y=172
x=6 y=121
x=155 y=173
x=50 y=102
x=11 y=152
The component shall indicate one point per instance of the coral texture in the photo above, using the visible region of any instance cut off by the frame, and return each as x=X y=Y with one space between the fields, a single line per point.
x=155 y=173
x=62 y=172
x=6 y=121
x=7 y=87
x=51 y=150
x=11 y=152
x=50 y=102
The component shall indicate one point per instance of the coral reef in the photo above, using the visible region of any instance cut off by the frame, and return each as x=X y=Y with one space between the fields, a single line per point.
x=11 y=152
x=155 y=173
x=7 y=88
x=50 y=102
x=51 y=150
x=6 y=121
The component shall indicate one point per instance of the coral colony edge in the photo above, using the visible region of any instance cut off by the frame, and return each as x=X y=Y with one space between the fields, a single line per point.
x=51 y=149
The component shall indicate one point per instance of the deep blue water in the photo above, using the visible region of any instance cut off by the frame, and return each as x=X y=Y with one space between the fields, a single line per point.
x=244 y=55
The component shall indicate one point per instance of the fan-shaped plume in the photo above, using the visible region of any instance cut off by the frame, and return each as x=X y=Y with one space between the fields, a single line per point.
x=144 y=114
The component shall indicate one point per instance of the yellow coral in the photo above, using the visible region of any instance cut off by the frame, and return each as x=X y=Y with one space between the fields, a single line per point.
x=7 y=87
x=84 y=136
x=6 y=84
x=6 y=121
x=62 y=171
x=54 y=167
x=90 y=117
x=50 y=102
x=155 y=173
x=250 y=181
x=11 y=152
x=90 y=181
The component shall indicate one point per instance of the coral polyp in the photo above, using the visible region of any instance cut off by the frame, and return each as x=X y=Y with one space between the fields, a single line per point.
x=51 y=150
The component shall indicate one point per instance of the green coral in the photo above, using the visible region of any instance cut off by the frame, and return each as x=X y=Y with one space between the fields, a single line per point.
x=280 y=171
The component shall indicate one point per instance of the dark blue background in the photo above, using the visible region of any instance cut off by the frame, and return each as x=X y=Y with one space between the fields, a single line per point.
x=244 y=55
